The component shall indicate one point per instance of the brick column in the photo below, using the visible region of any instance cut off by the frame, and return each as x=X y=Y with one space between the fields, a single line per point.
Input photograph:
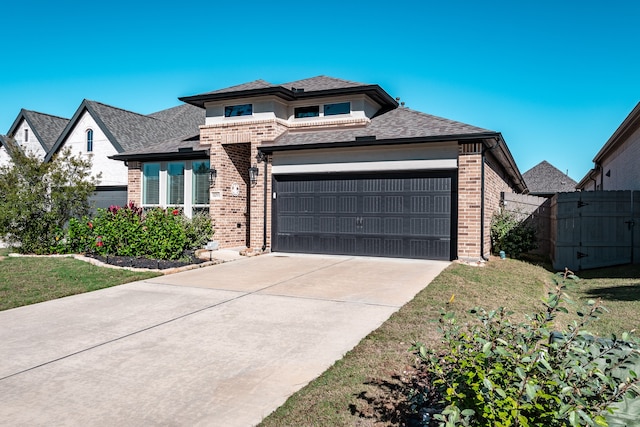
x=469 y=200
x=134 y=188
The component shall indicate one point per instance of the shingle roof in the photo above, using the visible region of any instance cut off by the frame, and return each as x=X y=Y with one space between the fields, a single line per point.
x=320 y=83
x=398 y=124
x=300 y=89
x=186 y=119
x=133 y=132
x=256 y=84
x=45 y=127
x=544 y=178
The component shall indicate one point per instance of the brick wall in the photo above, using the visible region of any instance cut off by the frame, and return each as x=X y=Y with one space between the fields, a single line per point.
x=469 y=199
x=239 y=220
x=495 y=184
x=474 y=225
x=134 y=189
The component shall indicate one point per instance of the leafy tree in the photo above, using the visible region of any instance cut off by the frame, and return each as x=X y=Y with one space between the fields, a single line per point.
x=37 y=199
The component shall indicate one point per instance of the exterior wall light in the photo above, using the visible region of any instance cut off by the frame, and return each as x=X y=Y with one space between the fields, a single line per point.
x=253 y=174
x=213 y=173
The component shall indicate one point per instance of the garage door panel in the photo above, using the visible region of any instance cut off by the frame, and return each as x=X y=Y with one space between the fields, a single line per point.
x=394 y=215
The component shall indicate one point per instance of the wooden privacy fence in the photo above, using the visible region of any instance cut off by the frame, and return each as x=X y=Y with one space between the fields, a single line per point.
x=582 y=230
x=591 y=229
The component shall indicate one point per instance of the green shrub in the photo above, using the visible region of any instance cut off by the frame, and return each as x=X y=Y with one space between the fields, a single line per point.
x=511 y=234
x=129 y=231
x=198 y=230
x=38 y=198
x=497 y=373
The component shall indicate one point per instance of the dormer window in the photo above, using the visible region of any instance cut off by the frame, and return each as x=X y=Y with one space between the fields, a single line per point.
x=302 y=112
x=89 y=140
x=338 y=108
x=238 y=110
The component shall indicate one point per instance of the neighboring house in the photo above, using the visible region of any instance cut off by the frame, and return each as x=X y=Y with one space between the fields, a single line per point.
x=324 y=165
x=545 y=180
x=616 y=164
x=5 y=157
x=36 y=132
x=100 y=131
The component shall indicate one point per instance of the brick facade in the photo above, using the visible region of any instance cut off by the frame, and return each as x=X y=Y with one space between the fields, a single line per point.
x=134 y=189
x=238 y=220
x=474 y=214
x=469 y=199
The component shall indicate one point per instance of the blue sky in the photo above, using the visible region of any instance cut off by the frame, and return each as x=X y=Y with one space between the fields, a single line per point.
x=555 y=77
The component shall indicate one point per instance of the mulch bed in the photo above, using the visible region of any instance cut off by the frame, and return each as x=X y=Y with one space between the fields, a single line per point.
x=139 y=262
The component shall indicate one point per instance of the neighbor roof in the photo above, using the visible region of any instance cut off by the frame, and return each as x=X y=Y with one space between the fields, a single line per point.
x=545 y=179
x=313 y=87
x=45 y=127
x=133 y=132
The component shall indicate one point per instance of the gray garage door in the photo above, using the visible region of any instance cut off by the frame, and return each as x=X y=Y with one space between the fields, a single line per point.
x=389 y=215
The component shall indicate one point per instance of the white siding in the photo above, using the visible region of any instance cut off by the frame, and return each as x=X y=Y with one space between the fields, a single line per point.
x=32 y=145
x=114 y=172
x=622 y=166
x=431 y=156
x=271 y=108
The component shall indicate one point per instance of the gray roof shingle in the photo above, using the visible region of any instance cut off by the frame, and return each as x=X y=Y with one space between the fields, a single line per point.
x=45 y=127
x=131 y=132
x=397 y=124
x=546 y=179
x=318 y=86
x=320 y=83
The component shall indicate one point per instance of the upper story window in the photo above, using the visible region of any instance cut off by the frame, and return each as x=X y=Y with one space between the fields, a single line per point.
x=89 y=140
x=238 y=110
x=302 y=112
x=338 y=108
x=26 y=135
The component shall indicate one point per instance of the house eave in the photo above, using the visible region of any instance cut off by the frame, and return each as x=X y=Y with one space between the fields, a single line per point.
x=173 y=155
x=375 y=92
x=630 y=124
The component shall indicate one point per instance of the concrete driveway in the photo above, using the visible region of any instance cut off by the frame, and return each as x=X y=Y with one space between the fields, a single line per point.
x=217 y=346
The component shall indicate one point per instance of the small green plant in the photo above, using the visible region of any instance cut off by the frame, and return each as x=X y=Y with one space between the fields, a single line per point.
x=511 y=234
x=497 y=373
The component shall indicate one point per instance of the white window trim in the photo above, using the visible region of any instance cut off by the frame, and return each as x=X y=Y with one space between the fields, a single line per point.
x=188 y=205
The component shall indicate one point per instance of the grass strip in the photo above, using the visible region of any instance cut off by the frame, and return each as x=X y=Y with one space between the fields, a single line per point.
x=364 y=388
x=29 y=280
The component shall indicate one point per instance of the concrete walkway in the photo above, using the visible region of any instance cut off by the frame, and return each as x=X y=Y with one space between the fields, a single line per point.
x=218 y=346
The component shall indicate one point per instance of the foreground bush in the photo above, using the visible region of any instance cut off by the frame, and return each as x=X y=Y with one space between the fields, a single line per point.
x=497 y=373
x=37 y=198
x=129 y=231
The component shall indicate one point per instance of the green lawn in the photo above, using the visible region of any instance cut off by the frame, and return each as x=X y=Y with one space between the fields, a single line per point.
x=27 y=280
x=364 y=388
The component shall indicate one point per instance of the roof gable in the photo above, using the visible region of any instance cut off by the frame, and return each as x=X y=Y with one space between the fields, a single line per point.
x=130 y=132
x=544 y=178
x=45 y=127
